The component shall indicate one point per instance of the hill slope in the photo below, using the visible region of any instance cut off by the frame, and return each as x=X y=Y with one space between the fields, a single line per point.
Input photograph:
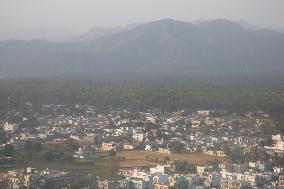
x=218 y=46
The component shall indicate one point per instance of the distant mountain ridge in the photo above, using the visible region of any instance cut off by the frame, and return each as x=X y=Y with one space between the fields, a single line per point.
x=98 y=32
x=164 y=46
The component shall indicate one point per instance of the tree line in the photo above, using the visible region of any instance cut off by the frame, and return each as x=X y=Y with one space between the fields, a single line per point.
x=231 y=93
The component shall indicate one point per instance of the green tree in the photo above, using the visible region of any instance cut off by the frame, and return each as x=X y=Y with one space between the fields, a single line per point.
x=48 y=156
x=9 y=150
x=176 y=146
x=112 y=153
x=3 y=138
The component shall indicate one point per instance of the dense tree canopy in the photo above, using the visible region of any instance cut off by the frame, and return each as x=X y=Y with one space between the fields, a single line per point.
x=236 y=93
x=3 y=138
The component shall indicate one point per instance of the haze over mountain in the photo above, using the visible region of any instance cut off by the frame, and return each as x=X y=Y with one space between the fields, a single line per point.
x=98 y=32
x=53 y=34
x=164 y=46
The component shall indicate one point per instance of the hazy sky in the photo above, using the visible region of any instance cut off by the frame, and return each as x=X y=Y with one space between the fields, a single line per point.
x=82 y=15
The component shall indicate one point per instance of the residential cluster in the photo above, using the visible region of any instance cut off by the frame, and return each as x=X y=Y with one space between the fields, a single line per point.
x=230 y=150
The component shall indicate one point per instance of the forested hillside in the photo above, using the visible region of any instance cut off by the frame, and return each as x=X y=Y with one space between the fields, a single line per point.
x=164 y=46
x=169 y=92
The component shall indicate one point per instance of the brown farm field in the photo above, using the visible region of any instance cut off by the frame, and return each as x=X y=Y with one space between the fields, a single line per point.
x=107 y=166
x=148 y=158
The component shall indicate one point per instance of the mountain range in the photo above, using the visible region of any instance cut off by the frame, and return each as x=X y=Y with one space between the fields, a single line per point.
x=164 y=46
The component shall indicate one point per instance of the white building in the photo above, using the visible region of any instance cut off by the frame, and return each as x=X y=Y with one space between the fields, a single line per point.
x=10 y=127
x=138 y=137
x=161 y=169
x=246 y=177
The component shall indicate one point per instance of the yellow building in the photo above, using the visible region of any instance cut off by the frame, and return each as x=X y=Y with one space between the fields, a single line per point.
x=107 y=146
x=164 y=151
x=128 y=147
